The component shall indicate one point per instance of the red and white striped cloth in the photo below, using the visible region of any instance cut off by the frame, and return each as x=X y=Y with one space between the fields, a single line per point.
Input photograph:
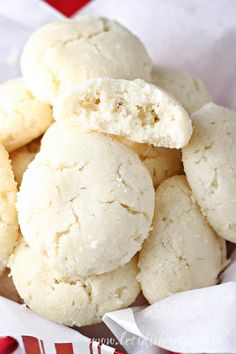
x=32 y=345
x=23 y=331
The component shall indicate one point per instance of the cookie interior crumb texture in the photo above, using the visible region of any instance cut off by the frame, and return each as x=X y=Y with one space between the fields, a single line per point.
x=87 y=201
x=183 y=252
x=139 y=111
x=61 y=54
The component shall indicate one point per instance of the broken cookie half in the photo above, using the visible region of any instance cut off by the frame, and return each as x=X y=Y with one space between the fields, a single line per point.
x=135 y=109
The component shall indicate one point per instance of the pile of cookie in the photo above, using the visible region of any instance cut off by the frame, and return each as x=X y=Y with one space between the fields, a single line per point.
x=125 y=172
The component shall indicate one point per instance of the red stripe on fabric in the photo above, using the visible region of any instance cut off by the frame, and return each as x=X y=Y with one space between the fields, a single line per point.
x=31 y=345
x=64 y=348
x=8 y=345
x=91 y=346
x=99 y=348
x=42 y=346
x=69 y=7
x=118 y=352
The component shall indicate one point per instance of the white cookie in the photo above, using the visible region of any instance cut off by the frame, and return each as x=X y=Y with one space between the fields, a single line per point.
x=139 y=111
x=55 y=132
x=183 y=252
x=161 y=163
x=61 y=54
x=8 y=216
x=7 y=288
x=210 y=166
x=88 y=201
x=72 y=301
x=187 y=88
x=22 y=117
x=21 y=158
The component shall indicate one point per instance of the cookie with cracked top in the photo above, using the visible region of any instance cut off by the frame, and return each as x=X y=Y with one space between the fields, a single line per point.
x=71 y=301
x=22 y=116
x=183 y=252
x=64 y=53
x=210 y=166
x=87 y=201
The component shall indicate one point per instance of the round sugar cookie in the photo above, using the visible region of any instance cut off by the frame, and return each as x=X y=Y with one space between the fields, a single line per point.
x=182 y=252
x=21 y=158
x=161 y=163
x=8 y=216
x=210 y=166
x=187 y=88
x=72 y=301
x=64 y=53
x=136 y=110
x=55 y=132
x=22 y=117
x=7 y=287
x=87 y=201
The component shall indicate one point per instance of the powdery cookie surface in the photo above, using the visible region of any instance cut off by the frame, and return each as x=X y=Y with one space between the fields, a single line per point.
x=210 y=166
x=136 y=110
x=162 y=163
x=22 y=117
x=87 y=200
x=61 y=54
x=21 y=158
x=183 y=252
x=8 y=216
x=72 y=301
x=187 y=88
